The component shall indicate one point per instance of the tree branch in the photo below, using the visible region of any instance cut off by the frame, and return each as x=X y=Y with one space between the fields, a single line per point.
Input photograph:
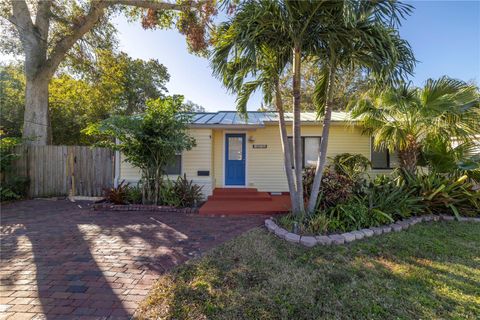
x=83 y=25
x=42 y=19
x=156 y=5
x=21 y=19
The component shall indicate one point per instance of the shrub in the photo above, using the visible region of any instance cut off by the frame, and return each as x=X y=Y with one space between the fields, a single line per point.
x=354 y=215
x=351 y=165
x=443 y=193
x=117 y=195
x=188 y=193
x=6 y=194
x=134 y=195
x=390 y=196
x=168 y=196
x=335 y=188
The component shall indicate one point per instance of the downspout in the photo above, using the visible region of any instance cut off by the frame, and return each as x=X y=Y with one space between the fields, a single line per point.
x=117 y=166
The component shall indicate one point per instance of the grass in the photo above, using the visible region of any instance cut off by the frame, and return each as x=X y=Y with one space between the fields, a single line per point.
x=431 y=271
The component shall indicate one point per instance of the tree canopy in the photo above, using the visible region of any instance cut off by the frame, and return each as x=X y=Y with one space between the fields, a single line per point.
x=45 y=32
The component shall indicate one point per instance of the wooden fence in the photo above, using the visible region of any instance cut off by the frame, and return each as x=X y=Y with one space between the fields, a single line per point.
x=64 y=170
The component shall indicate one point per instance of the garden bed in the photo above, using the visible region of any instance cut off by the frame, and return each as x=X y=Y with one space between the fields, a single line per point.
x=140 y=207
x=346 y=237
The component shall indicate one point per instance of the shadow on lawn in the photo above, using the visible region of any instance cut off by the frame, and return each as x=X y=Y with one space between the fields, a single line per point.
x=74 y=261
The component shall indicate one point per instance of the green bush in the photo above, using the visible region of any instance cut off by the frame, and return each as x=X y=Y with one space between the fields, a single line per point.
x=335 y=188
x=442 y=194
x=6 y=194
x=353 y=166
x=133 y=195
x=168 y=196
x=389 y=195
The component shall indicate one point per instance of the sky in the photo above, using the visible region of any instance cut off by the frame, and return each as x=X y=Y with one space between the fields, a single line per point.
x=444 y=35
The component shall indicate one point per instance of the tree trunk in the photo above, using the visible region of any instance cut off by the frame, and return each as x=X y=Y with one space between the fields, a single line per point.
x=322 y=156
x=409 y=156
x=297 y=134
x=287 y=160
x=36 y=122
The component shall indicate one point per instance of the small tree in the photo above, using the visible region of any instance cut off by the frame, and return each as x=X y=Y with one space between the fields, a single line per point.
x=149 y=141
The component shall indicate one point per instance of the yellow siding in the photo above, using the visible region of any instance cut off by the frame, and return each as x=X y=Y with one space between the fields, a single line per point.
x=265 y=166
x=197 y=159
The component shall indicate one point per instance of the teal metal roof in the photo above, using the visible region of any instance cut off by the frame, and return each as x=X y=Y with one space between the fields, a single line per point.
x=255 y=118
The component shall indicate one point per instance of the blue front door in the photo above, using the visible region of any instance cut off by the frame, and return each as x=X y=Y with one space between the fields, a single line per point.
x=235 y=159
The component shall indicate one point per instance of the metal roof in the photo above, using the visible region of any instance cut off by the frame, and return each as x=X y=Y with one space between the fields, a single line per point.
x=255 y=118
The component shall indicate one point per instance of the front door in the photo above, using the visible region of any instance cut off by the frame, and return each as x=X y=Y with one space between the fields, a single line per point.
x=235 y=159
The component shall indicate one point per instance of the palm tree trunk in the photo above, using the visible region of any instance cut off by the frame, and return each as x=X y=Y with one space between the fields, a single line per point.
x=297 y=134
x=322 y=156
x=287 y=160
x=409 y=156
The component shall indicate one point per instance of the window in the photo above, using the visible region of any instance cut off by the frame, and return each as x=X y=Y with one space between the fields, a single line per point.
x=310 y=150
x=380 y=158
x=175 y=168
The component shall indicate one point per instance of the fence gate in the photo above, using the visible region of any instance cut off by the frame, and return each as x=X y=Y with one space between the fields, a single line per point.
x=64 y=170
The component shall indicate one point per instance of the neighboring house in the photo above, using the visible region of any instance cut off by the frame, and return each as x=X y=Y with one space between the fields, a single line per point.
x=234 y=152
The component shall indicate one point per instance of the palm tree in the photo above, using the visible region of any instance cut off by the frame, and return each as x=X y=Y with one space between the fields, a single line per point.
x=264 y=37
x=414 y=120
x=366 y=39
x=254 y=58
x=261 y=39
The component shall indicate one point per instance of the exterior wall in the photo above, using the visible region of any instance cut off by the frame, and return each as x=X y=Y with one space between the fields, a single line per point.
x=264 y=167
x=197 y=159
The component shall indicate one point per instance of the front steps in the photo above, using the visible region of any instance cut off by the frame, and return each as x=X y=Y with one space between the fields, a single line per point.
x=241 y=201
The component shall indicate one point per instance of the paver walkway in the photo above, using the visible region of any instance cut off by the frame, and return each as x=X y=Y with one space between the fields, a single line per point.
x=63 y=260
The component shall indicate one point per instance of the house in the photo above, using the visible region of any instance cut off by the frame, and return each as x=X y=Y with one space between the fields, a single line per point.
x=237 y=152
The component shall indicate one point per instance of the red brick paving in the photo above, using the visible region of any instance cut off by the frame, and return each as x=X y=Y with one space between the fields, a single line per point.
x=62 y=260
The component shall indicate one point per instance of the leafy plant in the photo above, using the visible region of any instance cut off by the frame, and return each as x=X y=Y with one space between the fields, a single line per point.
x=7 y=154
x=7 y=194
x=117 y=195
x=167 y=194
x=189 y=194
x=335 y=187
x=351 y=165
x=149 y=141
x=444 y=193
x=389 y=196
x=133 y=195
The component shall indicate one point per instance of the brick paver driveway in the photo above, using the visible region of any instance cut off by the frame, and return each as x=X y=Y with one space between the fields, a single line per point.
x=63 y=260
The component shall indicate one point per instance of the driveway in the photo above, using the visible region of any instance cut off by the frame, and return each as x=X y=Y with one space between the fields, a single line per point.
x=63 y=260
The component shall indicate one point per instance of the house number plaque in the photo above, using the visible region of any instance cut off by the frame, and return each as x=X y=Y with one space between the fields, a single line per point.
x=259 y=146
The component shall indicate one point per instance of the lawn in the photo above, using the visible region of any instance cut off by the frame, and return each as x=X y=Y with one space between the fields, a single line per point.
x=431 y=271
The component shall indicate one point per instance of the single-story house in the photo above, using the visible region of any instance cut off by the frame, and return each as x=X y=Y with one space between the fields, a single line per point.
x=234 y=151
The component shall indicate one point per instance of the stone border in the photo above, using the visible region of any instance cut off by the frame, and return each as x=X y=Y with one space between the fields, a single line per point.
x=337 y=239
x=140 y=207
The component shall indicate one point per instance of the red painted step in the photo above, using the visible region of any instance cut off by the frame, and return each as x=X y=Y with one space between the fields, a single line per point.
x=259 y=196
x=234 y=190
x=241 y=201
